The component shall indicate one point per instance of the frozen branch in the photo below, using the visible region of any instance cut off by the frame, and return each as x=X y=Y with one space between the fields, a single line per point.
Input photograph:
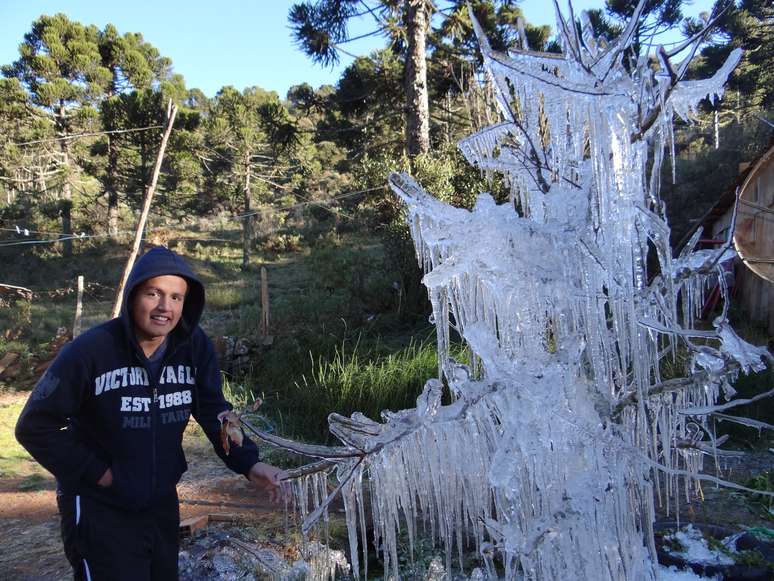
x=679 y=383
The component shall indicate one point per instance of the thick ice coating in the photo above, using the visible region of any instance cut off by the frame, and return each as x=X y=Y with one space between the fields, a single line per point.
x=563 y=431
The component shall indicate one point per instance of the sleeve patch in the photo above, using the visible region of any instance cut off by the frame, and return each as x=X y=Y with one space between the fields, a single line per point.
x=45 y=387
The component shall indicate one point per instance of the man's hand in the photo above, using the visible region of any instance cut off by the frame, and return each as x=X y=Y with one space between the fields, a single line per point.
x=106 y=479
x=272 y=480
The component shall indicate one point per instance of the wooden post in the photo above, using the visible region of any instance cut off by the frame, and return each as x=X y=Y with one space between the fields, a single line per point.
x=247 y=221
x=171 y=112
x=78 y=308
x=264 y=302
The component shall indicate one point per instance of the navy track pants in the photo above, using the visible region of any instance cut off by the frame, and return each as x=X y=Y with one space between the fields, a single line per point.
x=106 y=543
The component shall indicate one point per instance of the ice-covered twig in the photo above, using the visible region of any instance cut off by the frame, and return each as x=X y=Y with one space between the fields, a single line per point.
x=749 y=422
x=308 y=469
x=708 y=450
x=702 y=377
x=315 y=515
x=714 y=409
x=702 y=88
x=703 y=477
x=311 y=450
x=612 y=54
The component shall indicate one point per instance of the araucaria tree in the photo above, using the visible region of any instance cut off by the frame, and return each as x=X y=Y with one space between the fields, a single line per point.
x=249 y=133
x=61 y=67
x=321 y=25
x=563 y=429
x=134 y=65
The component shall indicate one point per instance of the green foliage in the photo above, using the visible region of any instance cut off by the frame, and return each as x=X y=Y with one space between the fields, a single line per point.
x=357 y=380
x=369 y=101
x=748 y=558
x=656 y=16
x=60 y=63
x=744 y=24
x=761 y=503
x=320 y=26
x=133 y=63
x=282 y=242
x=353 y=275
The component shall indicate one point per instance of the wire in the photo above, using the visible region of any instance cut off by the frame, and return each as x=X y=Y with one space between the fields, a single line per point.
x=90 y=134
x=63 y=238
x=89 y=236
x=330 y=210
x=301 y=204
x=19 y=231
x=269 y=211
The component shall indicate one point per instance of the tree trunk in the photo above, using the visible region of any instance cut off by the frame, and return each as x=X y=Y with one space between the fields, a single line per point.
x=247 y=221
x=417 y=110
x=66 y=203
x=110 y=186
x=42 y=187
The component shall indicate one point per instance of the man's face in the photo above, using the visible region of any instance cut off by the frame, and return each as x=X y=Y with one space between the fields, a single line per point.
x=157 y=306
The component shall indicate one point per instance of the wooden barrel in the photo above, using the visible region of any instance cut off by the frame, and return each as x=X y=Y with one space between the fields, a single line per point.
x=754 y=230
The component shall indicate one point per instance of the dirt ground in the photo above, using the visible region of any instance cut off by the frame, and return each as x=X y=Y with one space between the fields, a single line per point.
x=29 y=524
x=29 y=521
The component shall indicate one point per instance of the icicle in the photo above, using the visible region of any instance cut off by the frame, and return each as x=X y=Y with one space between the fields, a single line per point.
x=562 y=428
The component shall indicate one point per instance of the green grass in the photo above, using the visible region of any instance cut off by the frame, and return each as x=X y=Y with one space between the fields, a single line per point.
x=15 y=462
x=356 y=379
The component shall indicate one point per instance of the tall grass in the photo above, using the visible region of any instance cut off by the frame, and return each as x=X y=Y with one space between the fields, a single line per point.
x=356 y=380
x=238 y=393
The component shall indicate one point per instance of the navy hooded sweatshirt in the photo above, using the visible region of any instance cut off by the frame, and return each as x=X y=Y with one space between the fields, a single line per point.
x=98 y=406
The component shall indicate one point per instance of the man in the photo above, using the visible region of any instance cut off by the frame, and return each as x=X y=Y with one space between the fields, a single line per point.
x=107 y=420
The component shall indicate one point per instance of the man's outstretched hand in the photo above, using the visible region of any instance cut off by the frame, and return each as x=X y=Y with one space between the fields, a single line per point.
x=106 y=479
x=272 y=480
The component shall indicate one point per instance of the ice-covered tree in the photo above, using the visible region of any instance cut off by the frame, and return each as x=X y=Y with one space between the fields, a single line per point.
x=563 y=431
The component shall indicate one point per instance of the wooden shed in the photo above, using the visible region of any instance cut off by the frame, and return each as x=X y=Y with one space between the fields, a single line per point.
x=753 y=239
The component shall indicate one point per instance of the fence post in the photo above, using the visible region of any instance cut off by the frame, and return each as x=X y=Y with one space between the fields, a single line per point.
x=78 y=308
x=150 y=190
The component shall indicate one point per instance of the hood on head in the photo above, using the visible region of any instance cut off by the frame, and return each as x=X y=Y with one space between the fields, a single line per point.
x=160 y=261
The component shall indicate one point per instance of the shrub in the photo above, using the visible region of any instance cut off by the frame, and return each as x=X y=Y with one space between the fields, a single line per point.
x=282 y=242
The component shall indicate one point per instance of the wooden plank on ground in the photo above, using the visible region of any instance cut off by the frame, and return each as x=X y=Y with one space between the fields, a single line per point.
x=190 y=525
x=223 y=517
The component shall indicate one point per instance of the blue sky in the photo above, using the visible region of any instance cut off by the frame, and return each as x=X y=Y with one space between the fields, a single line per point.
x=226 y=42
